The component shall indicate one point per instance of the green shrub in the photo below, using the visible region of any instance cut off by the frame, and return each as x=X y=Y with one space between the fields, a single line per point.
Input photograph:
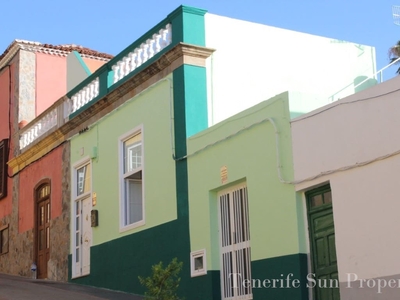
x=163 y=282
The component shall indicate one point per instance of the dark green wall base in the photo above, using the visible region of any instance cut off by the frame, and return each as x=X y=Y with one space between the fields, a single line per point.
x=279 y=268
x=117 y=264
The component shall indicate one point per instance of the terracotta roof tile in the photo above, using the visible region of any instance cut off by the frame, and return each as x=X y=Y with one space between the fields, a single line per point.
x=59 y=50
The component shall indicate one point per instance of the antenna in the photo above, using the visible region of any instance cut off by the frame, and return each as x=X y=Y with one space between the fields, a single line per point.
x=396 y=14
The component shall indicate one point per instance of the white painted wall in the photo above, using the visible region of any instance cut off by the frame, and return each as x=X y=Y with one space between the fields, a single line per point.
x=366 y=205
x=254 y=62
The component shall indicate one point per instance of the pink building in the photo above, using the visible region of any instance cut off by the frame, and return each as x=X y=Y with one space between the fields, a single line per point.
x=34 y=195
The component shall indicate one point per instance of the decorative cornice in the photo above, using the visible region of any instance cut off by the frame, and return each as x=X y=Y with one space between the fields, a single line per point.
x=168 y=62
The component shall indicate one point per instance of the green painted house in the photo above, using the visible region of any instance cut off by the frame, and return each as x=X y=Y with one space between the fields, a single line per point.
x=244 y=216
x=175 y=153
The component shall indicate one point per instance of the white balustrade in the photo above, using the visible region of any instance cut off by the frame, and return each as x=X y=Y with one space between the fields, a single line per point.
x=84 y=96
x=141 y=54
x=38 y=128
x=121 y=68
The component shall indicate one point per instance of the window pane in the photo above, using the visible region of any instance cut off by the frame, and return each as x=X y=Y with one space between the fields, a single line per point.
x=41 y=221
x=133 y=201
x=44 y=191
x=328 y=197
x=316 y=201
x=48 y=213
x=198 y=263
x=83 y=180
x=133 y=153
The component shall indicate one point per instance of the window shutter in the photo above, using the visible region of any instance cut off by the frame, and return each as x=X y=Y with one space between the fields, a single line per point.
x=3 y=168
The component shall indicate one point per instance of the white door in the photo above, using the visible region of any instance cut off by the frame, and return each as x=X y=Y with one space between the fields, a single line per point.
x=86 y=235
x=82 y=226
x=235 y=243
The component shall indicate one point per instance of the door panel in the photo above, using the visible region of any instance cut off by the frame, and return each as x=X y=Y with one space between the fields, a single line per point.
x=43 y=238
x=82 y=239
x=322 y=240
x=86 y=235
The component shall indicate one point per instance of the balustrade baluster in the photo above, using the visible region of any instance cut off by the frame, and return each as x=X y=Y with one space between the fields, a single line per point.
x=74 y=104
x=121 y=65
x=164 y=34
x=83 y=97
x=157 y=46
x=87 y=93
x=26 y=139
x=91 y=88
x=145 y=55
x=127 y=64
x=132 y=57
x=138 y=52
x=169 y=34
x=96 y=87
x=150 y=43
x=78 y=101
x=115 y=68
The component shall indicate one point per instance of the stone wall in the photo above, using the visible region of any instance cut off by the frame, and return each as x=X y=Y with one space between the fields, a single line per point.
x=59 y=227
x=27 y=86
x=20 y=255
x=19 y=258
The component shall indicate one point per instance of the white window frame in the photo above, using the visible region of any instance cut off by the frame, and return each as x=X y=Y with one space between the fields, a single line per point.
x=193 y=256
x=123 y=176
x=75 y=185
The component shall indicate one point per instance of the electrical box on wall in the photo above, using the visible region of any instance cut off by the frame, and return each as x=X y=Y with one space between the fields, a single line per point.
x=95 y=217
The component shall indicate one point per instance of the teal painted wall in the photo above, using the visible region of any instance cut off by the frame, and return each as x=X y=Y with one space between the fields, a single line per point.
x=150 y=110
x=190 y=92
x=188 y=25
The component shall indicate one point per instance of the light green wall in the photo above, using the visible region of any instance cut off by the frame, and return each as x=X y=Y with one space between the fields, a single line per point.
x=250 y=157
x=151 y=110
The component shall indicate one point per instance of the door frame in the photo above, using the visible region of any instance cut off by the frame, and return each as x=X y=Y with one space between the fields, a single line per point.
x=74 y=199
x=320 y=190
x=45 y=181
x=245 y=244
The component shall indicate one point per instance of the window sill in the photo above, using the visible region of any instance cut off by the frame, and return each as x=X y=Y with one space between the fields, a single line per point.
x=131 y=226
x=198 y=273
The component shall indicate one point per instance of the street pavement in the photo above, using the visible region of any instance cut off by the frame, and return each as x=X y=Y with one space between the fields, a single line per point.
x=22 y=288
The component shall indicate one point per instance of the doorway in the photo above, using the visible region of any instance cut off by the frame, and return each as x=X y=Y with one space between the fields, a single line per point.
x=42 y=229
x=322 y=244
x=82 y=230
x=235 y=243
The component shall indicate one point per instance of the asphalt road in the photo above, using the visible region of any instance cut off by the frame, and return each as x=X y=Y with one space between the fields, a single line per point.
x=20 y=288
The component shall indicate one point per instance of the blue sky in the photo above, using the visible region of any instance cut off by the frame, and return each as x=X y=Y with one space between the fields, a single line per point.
x=110 y=26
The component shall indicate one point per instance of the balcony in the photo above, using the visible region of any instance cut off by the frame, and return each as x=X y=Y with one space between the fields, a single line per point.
x=122 y=67
x=364 y=82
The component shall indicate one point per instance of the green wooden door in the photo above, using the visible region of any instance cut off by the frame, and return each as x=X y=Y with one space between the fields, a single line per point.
x=322 y=240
